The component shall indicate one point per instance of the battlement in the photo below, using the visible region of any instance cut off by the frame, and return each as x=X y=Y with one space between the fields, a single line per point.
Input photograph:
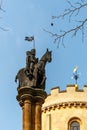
x=69 y=89
x=71 y=95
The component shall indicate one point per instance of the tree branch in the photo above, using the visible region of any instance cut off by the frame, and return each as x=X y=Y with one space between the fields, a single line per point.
x=72 y=10
x=60 y=37
x=1 y=2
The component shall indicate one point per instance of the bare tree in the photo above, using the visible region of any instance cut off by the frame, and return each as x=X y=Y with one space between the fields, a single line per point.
x=71 y=13
x=2 y=10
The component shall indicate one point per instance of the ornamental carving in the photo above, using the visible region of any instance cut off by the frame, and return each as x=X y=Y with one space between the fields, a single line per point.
x=65 y=105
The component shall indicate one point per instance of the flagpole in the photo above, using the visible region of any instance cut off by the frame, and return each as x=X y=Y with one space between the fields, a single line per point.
x=34 y=43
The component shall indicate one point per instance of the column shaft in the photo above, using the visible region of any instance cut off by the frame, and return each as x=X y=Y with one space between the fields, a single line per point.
x=22 y=117
x=38 y=116
x=27 y=115
x=33 y=116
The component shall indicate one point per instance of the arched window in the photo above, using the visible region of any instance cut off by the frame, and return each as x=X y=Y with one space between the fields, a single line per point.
x=74 y=126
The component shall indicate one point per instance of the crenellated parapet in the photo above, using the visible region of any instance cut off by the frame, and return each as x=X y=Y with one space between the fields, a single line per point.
x=71 y=97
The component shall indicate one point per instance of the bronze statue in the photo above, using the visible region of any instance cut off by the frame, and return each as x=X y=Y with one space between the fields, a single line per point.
x=31 y=60
x=33 y=75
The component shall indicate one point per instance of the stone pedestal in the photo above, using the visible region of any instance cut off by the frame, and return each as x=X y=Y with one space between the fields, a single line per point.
x=31 y=100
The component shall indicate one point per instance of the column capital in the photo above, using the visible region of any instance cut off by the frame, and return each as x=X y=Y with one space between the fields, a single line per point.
x=31 y=94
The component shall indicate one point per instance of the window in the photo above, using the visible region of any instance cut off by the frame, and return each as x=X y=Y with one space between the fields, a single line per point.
x=74 y=126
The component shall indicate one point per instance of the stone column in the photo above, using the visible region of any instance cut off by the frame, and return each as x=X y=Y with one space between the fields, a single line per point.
x=33 y=116
x=38 y=116
x=22 y=117
x=31 y=100
x=25 y=97
x=27 y=115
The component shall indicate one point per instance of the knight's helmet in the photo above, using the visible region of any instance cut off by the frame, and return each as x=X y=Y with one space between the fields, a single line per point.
x=33 y=52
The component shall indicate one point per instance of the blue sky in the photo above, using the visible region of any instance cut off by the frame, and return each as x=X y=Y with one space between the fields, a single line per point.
x=24 y=18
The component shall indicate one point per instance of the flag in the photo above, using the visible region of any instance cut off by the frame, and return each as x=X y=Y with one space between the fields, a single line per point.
x=30 y=39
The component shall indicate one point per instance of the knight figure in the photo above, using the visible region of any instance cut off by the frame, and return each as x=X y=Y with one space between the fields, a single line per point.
x=31 y=60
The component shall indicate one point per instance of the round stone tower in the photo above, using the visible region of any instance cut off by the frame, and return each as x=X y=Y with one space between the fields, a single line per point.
x=65 y=110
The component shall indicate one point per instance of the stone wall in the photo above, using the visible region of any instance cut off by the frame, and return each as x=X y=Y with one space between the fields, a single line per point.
x=62 y=107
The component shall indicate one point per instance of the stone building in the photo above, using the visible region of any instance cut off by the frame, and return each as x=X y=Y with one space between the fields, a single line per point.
x=65 y=110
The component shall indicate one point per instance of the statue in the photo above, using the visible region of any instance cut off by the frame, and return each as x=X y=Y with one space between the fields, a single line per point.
x=33 y=75
x=31 y=60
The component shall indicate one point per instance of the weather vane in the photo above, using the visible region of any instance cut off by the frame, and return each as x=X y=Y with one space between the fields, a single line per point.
x=75 y=74
x=30 y=39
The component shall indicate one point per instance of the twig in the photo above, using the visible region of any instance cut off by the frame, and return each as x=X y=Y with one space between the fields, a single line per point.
x=60 y=37
x=1 y=6
x=72 y=10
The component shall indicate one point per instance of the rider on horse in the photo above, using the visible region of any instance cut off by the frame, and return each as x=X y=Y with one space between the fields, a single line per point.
x=31 y=60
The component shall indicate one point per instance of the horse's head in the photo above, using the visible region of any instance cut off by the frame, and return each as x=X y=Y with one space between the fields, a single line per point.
x=49 y=55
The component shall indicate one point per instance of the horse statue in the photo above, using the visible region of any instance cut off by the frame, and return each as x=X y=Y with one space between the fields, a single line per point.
x=37 y=78
x=39 y=70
